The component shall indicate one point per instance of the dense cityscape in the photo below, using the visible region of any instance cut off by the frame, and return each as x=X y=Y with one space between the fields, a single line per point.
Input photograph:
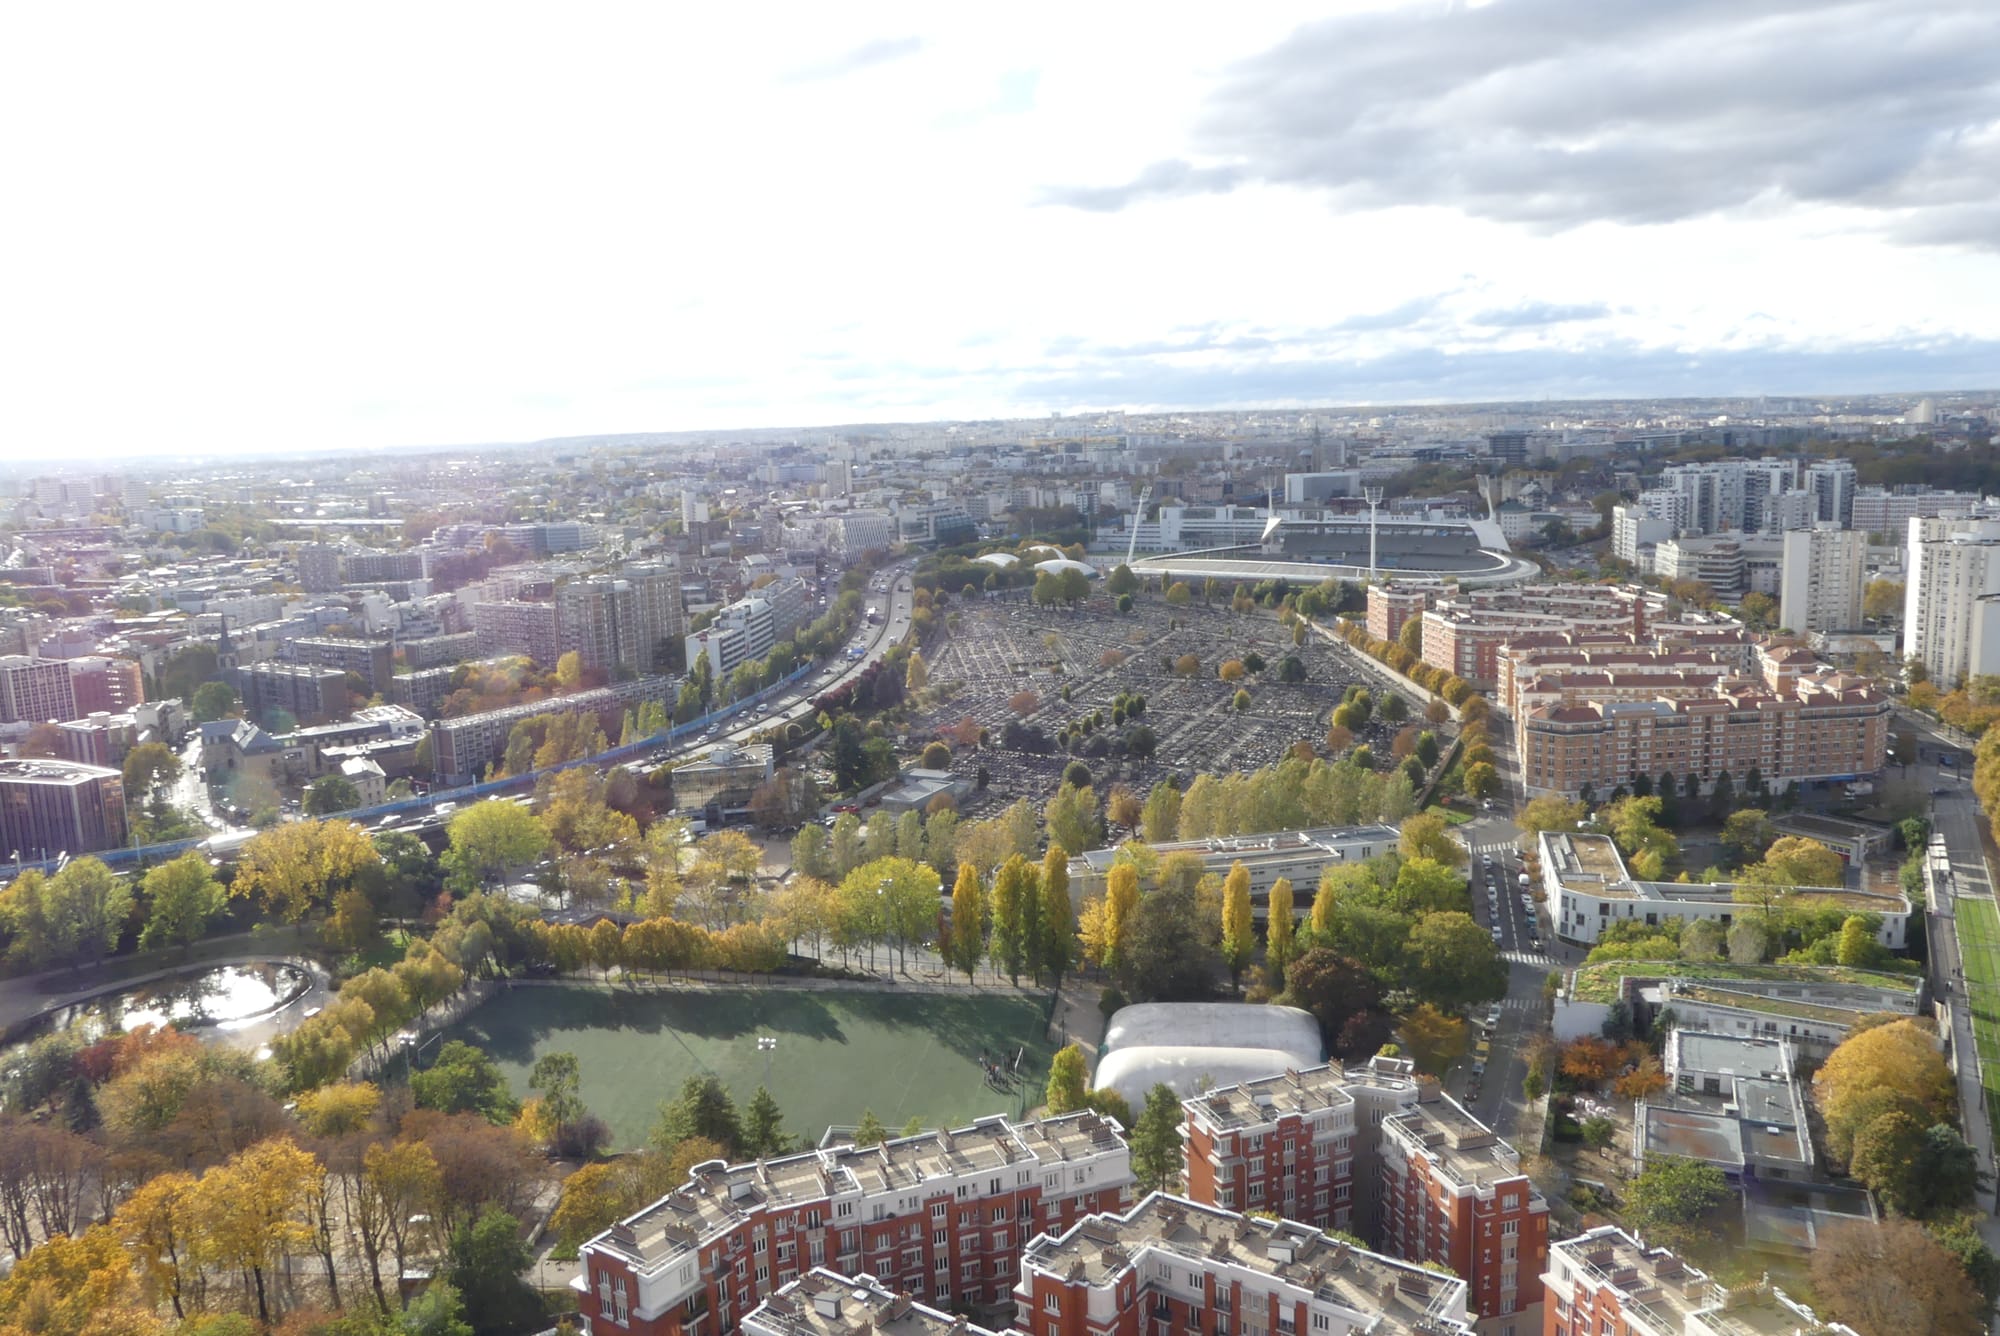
x=1320 y=669
x=1570 y=804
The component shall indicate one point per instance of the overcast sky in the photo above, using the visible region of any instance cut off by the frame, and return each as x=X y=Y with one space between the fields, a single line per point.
x=275 y=226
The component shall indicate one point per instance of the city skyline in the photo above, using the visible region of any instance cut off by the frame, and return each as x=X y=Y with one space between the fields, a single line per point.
x=249 y=234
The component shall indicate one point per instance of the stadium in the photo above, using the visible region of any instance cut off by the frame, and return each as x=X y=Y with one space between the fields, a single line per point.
x=1307 y=551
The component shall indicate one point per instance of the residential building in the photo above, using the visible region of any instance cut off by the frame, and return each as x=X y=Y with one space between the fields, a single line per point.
x=1300 y=855
x=49 y=808
x=1824 y=577
x=1951 y=615
x=36 y=691
x=1607 y=1283
x=1602 y=667
x=1393 y=603
x=1174 y=1267
x=1716 y=561
x=1729 y=494
x=1731 y=1101
x=1880 y=510
x=1466 y=632
x=439 y=651
x=235 y=748
x=749 y=629
x=1453 y=1193
x=1589 y=888
x=307 y=692
x=319 y=568
x=1508 y=448
x=1290 y=1144
x=1635 y=536
x=943 y=1214
x=824 y=1302
x=373 y=661
x=1375 y=1151
x=462 y=748
x=516 y=626
x=628 y=619
x=375 y=567
x=1831 y=483
x=105 y=685
x=1826 y=729
x=99 y=738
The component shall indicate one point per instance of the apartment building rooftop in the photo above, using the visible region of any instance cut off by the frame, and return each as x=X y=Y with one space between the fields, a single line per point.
x=1260 y=1103
x=1388 y=1295
x=718 y=1196
x=1458 y=1144
x=825 y=1303
x=1653 y=1283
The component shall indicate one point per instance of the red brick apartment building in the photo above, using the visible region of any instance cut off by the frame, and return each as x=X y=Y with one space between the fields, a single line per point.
x=1608 y=1283
x=1174 y=1267
x=943 y=1215
x=1375 y=1152
x=1823 y=728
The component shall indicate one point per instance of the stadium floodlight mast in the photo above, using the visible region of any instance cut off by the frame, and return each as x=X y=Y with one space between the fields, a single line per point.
x=767 y=1045
x=1373 y=496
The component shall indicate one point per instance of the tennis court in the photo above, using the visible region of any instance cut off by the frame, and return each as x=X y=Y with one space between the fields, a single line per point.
x=904 y=1055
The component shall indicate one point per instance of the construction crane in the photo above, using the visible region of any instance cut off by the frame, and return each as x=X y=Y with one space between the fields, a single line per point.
x=1138 y=515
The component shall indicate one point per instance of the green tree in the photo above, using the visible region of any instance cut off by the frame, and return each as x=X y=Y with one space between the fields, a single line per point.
x=1012 y=942
x=1068 y=1081
x=870 y=1131
x=212 y=701
x=492 y=839
x=763 y=1126
x=438 y=1311
x=557 y=1077
x=151 y=768
x=331 y=793
x=1161 y=816
x=1169 y=953
x=1156 y=1141
x=1072 y=818
x=1673 y=1198
x=1426 y=836
x=181 y=897
x=1056 y=918
x=1179 y=595
x=485 y=1264
x=1122 y=580
x=1239 y=935
x=1454 y=963
x=703 y=1109
x=463 y=1080
x=1280 y=929
x=968 y=920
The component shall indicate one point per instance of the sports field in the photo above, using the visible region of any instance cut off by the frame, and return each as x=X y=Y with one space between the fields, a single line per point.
x=1979 y=949
x=904 y=1055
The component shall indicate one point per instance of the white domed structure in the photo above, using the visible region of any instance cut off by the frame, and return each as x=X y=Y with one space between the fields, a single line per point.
x=1000 y=560
x=1049 y=548
x=1192 y=1046
x=1057 y=565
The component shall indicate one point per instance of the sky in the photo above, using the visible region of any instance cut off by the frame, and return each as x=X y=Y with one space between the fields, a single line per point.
x=270 y=227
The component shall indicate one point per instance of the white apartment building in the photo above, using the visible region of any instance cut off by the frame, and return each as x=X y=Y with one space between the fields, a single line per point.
x=1879 y=510
x=1821 y=582
x=1635 y=535
x=1951 y=603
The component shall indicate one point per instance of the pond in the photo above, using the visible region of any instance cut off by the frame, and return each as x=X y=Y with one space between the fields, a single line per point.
x=226 y=996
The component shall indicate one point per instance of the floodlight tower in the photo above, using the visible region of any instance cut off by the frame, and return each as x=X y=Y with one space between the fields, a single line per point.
x=1373 y=496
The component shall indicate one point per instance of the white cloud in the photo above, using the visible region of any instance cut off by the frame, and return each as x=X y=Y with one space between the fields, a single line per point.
x=262 y=227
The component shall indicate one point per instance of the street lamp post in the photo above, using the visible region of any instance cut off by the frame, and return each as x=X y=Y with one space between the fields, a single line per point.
x=767 y=1045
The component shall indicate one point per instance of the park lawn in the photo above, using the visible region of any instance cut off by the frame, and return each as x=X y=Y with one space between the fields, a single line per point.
x=903 y=1055
x=1979 y=947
